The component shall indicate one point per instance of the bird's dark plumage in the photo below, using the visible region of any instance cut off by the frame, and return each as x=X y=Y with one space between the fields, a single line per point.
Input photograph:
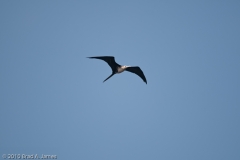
x=137 y=71
x=116 y=68
x=110 y=60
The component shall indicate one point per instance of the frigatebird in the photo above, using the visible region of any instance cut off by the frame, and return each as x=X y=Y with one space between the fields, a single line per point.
x=116 y=68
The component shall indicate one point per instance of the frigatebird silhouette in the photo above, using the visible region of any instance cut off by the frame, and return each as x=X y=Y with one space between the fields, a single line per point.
x=116 y=68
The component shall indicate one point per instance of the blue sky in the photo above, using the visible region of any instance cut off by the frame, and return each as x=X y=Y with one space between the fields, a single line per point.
x=53 y=100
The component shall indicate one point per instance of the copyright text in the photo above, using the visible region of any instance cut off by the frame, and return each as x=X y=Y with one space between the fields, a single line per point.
x=28 y=156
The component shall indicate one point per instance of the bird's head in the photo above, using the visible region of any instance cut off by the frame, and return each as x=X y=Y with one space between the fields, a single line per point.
x=125 y=67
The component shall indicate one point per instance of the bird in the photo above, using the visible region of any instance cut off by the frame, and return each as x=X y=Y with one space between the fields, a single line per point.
x=116 y=68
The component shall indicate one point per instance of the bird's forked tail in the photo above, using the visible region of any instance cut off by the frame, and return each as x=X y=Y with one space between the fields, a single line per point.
x=109 y=77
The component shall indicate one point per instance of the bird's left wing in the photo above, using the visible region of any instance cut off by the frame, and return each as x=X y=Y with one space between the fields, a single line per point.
x=137 y=71
x=109 y=59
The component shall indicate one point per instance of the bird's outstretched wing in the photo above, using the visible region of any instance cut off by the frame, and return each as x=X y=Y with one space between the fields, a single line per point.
x=137 y=71
x=110 y=60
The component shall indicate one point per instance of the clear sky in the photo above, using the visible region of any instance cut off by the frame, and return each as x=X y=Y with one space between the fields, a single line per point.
x=53 y=100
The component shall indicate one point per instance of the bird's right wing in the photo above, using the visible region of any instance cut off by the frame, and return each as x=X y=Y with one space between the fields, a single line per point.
x=137 y=71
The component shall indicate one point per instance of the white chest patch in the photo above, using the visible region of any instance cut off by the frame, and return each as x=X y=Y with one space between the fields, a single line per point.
x=121 y=69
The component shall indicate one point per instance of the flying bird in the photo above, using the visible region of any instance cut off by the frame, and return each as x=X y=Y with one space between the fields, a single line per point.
x=116 y=68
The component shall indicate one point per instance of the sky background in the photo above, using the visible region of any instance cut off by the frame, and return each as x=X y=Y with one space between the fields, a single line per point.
x=53 y=100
